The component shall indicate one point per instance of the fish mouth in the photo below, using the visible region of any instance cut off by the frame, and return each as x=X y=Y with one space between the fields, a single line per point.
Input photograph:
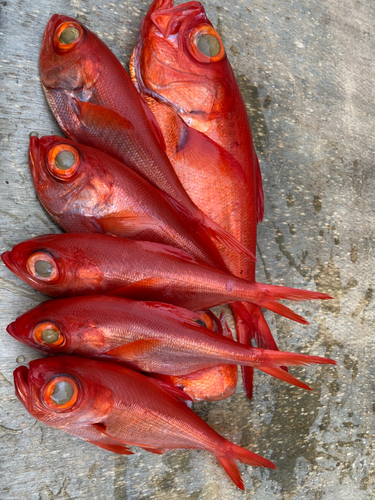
x=36 y=165
x=11 y=329
x=20 y=376
x=6 y=257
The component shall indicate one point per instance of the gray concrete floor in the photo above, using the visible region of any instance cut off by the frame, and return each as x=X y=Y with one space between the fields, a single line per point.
x=306 y=70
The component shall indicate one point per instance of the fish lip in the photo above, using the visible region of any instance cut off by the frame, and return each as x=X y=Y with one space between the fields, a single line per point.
x=6 y=257
x=21 y=386
x=37 y=169
x=11 y=329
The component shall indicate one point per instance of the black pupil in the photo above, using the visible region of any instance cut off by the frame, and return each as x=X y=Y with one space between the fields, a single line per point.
x=43 y=268
x=69 y=35
x=62 y=393
x=209 y=45
x=65 y=160
x=201 y=323
x=50 y=336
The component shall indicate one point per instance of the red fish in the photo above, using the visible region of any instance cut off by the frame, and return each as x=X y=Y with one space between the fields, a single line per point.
x=114 y=407
x=146 y=336
x=95 y=103
x=84 y=264
x=86 y=190
x=181 y=68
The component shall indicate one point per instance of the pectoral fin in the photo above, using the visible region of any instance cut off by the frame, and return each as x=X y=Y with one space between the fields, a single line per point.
x=127 y=226
x=134 y=350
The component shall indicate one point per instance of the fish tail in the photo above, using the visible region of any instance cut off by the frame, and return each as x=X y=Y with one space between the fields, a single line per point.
x=268 y=296
x=251 y=324
x=235 y=452
x=285 y=376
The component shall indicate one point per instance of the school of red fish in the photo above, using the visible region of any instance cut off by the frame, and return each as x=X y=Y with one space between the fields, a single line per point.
x=159 y=190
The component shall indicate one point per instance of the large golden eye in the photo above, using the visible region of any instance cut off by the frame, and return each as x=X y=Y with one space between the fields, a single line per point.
x=63 y=161
x=60 y=393
x=205 y=44
x=48 y=334
x=68 y=35
x=42 y=265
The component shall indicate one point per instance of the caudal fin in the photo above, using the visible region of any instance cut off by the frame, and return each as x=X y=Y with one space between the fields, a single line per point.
x=245 y=456
x=283 y=375
x=268 y=296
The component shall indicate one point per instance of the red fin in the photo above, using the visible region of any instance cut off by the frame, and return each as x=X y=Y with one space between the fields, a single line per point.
x=248 y=380
x=260 y=194
x=275 y=292
x=175 y=312
x=157 y=451
x=167 y=250
x=171 y=389
x=133 y=350
x=283 y=311
x=283 y=375
x=95 y=434
x=230 y=467
x=126 y=226
x=272 y=358
x=245 y=456
x=150 y=115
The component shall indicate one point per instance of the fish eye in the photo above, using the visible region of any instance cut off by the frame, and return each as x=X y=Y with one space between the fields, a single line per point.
x=206 y=45
x=61 y=393
x=68 y=35
x=207 y=320
x=48 y=334
x=209 y=45
x=42 y=265
x=63 y=161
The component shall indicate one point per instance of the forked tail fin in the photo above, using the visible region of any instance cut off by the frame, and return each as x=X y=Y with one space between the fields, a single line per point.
x=268 y=296
x=245 y=456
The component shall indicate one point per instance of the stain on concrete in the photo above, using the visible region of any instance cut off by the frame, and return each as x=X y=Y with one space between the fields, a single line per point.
x=254 y=108
x=326 y=339
x=289 y=200
x=362 y=304
x=119 y=486
x=317 y=203
x=303 y=270
x=354 y=254
x=292 y=229
x=328 y=280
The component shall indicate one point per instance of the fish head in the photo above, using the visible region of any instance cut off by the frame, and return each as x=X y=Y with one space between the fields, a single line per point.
x=57 y=167
x=68 y=56
x=59 y=327
x=63 y=391
x=68 y=178
x=49 y=264
x=180 y=60
x=44 y=328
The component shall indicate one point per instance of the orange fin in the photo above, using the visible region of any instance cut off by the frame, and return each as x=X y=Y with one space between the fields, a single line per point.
x=103 y=439
x=126 y=226
x=120 y=449
x=171 y=389
x=283 y=375
x=133 y=350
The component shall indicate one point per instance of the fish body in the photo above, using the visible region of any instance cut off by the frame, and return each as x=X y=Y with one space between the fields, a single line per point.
x=95 y=103
x=114 y=407
x=85 y=264
x=99 y=194
x=147 y=336
x=180 y=83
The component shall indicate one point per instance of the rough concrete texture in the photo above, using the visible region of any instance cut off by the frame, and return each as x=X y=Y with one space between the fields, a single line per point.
x=306 y=71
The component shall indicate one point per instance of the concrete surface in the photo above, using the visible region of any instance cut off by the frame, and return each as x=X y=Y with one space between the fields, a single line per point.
x=306 y=70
